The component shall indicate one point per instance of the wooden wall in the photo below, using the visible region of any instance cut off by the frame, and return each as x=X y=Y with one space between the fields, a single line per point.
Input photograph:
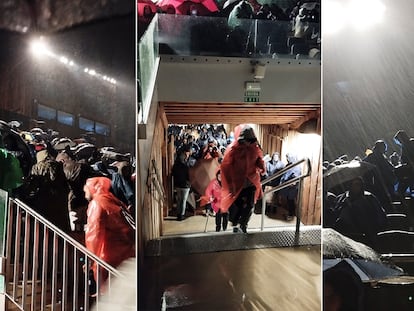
x=272 y=138
x=278 y=139
x=155 y=195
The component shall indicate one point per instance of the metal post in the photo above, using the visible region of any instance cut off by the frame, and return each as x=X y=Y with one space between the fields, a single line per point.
x=263 y=211
x=255 y=36
x=298 y=213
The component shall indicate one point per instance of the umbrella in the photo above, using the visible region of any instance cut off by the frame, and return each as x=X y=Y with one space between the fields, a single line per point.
x=202 y=173
x=141 y=4
x=61 y=143
x=228 y=3
x=84 y=151
x=366 y=270
x=362 y=259
x=344 y=173
x=203 y=7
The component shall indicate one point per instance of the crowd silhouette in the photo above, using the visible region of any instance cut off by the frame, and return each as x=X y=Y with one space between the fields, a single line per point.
x=233 y=187
x=293 y=29
x=359 y=193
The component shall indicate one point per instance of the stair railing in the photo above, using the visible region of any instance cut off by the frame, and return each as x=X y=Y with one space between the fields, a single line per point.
x=285 y=185
x=46 y=269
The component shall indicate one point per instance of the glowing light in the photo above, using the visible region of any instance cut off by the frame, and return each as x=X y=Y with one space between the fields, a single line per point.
x=366 y=13
x=358 y=14
x=64 y=60
x=39 y=48
x=334 y=15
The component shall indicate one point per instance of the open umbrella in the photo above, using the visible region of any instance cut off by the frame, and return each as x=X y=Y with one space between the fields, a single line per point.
x=202 y=173
x=84 y=151
x=183 y=7
x=344 y=173
x=367 y=263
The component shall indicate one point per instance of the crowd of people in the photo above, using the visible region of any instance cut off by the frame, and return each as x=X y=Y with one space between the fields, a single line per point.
x=78 y=187
x=358 y=203
x=300 y=20
x=235 y=187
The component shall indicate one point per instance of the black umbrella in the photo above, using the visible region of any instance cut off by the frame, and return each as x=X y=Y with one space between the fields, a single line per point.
x=343 y=173
x=338 y=249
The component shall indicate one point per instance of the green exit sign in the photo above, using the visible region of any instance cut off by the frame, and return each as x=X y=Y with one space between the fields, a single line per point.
x=251 y=96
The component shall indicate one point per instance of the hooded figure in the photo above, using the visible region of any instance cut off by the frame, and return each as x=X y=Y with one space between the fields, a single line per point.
x=11 y=174
x=241 y=168
x=213 y=194
x=107 y=234
x=46 y=190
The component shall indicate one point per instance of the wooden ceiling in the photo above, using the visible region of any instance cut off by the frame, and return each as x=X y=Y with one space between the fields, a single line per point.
x=293 y=114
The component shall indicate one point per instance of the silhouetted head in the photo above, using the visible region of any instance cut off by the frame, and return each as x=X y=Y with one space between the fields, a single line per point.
x=247 y=135
x=357 y=187
x=380 y=146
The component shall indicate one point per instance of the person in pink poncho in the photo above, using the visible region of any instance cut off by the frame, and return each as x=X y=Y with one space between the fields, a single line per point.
x=241 y=169
x=107 y=234
x=213 y=194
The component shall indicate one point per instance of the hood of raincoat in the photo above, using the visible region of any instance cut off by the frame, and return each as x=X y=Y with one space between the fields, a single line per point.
x=98 y=185
x=241 y=162
x=107 y=234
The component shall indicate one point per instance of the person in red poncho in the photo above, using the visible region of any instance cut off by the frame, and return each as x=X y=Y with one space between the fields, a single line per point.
x=107 y=234
x=241 y=169
x=213 y=194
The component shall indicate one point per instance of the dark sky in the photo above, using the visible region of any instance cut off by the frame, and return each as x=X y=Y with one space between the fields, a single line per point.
x=368 y=83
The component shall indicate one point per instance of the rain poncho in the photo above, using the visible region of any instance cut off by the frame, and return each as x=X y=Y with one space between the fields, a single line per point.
x=11 y=174
x=107 y=233
x=242 y=163
x=213 y=195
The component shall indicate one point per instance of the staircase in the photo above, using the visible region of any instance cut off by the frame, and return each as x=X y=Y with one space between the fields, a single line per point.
x=44 y=268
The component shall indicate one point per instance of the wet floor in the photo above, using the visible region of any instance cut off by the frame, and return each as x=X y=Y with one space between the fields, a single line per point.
x=285 y=279
x=200 y=223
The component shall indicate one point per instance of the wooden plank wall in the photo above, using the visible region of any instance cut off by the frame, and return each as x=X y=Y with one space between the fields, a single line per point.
x=278 y=139
x=154 y=202
x=272 y=138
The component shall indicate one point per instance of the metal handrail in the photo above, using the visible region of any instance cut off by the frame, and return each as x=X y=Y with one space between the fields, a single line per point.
x=285 y=185
x=38 y=253
x=156 y=180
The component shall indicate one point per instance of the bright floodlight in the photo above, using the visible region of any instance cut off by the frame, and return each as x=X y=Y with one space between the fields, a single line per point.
x=92 y=72
x=366 y=13
x=334 y=15
x=358 y=14
x=39 y=48
x=64 y=60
